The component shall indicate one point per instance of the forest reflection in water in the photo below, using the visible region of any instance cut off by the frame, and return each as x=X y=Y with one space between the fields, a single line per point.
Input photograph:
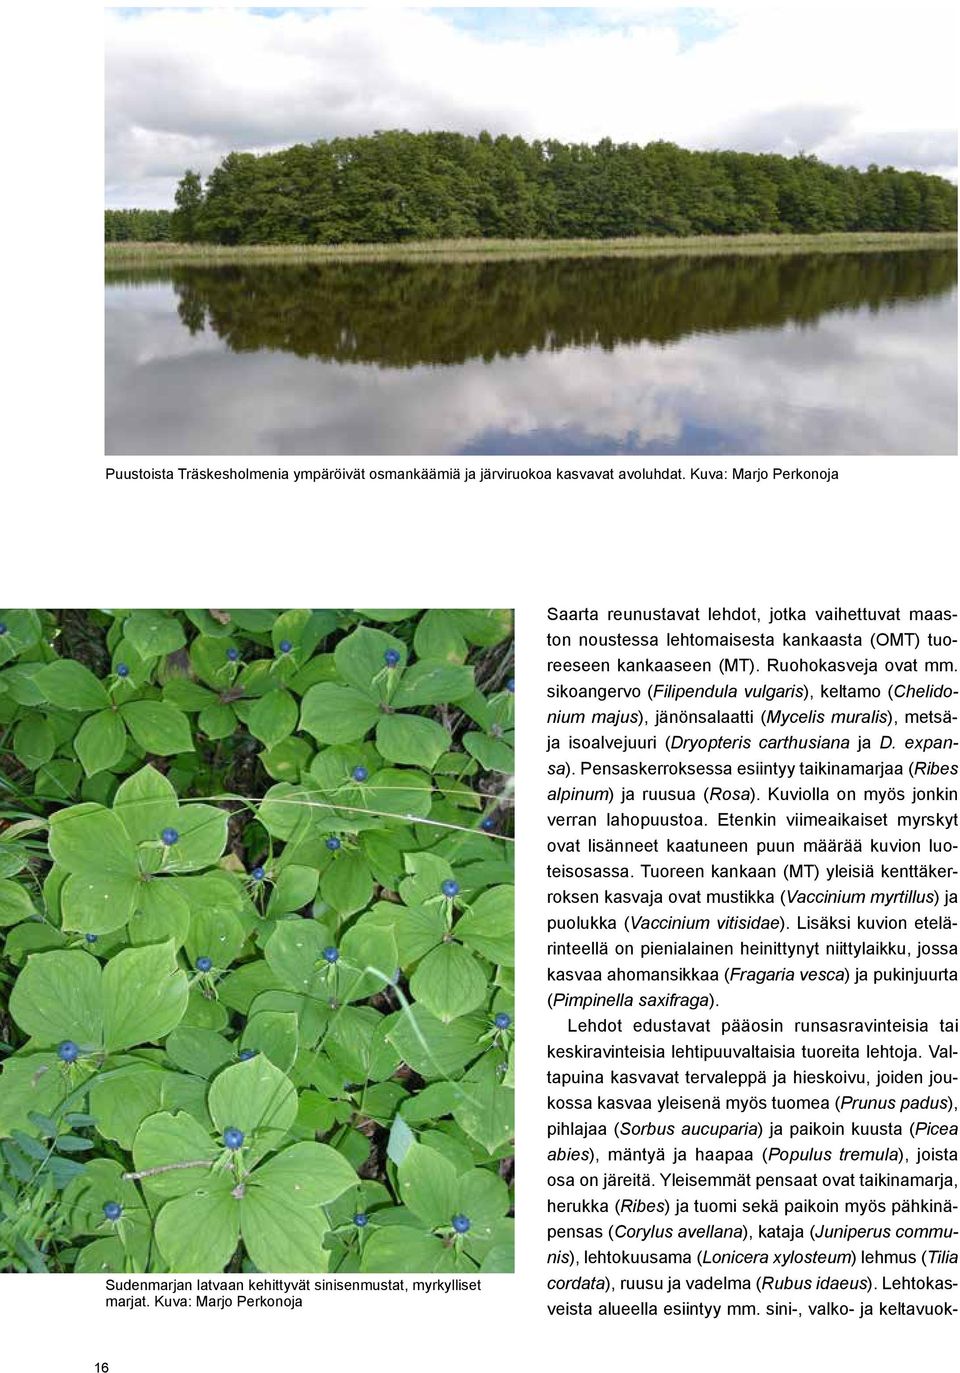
x=651 y=374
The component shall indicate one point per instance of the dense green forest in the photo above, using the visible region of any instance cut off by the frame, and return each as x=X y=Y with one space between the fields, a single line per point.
x=137 y=226
x=408 y=314
x=397 y=186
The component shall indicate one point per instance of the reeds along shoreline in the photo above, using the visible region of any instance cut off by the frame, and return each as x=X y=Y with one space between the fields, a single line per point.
x=475 y=249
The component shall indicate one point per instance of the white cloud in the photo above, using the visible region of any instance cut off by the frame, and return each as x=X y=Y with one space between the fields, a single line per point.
x=850 y=82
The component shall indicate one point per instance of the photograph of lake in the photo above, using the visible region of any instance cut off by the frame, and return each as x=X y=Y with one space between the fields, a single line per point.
x=390 y=252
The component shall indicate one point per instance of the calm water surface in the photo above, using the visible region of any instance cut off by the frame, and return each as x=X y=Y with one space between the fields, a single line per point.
x=854 y=353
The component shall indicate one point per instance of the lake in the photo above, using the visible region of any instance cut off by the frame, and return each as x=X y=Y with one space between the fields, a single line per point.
x=691 y=355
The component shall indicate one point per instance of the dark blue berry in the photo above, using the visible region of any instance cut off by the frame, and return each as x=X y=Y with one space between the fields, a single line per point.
x=285 y=645
x=333 y=843
x=509 y=683
x=3 y=628
x=90 y=938
x=232 y=1137
x=487 y=823
x=501 y=1020
x=331 y=954
x=360 y=1219
x=391 y=657
x=233 y=654
x=461 y=1224
x=112 y=1210
x=122 y=670
x=257 y=873
x=450 y=887
x=170 y=836
x=68 y=1051
x=360 y=773
x=244 y=1054
x=204 y=964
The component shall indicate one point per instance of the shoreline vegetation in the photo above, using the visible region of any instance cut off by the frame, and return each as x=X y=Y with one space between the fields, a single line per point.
x=166 y=254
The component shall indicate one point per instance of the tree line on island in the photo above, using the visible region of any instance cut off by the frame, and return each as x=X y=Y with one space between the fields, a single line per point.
x=396 y=187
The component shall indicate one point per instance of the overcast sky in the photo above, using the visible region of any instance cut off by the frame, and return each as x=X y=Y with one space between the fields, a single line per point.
x=849 y=82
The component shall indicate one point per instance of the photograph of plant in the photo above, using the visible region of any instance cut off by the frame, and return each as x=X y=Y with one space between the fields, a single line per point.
x=256 y=941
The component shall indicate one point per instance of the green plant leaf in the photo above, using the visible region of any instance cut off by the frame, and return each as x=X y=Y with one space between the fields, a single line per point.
x=90 y=839
x=399 y=792
x=411 y=739
x=186 y=695
x=492 y=754
x=158 y=727
x=58 y=780
x=449 y=982
x=487 y=927
x=144 y=996
x=362 y=948
x=429 y=1103
x=15 y=903
x=100 y=742
x=484 y=1199
x=71 y=686
x=428 y=1186
x=258 y=1099
x=295 y=954
x=347 y=885
x=273 y=717
x=361 y=662
x=198 y=1232
x=215 y=932
x=34 y=742
x=23 y=631
x=98 y=903
x=217 y=721
x=30 y=937
x=153 y=633
x=166 y=1139
x=160 y=913
x=485 y=1107
x=337 y=714
x=122 y=1098
x=400 y=1139
x=32 y=1084
x=203 y=837
x=288 y=760
x=355 y=1042
x=146 y=804
x=198 y=1051
x=295 y=886
x=423 y=884
x=415 y=929
x=282 y=1215
x=57 y=997
x=432 y=1048
x=438 y=637
x=275 y=1034
x=430 y=684
x=387 y=616
x=399 y=1249
x=485 y=627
